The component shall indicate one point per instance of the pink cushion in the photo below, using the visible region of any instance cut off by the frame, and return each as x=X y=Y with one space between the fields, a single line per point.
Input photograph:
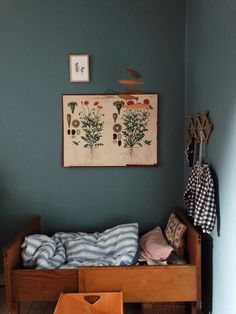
x=154 y=246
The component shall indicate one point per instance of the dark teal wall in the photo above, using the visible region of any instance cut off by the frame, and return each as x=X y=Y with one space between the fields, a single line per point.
x=211 y=85
x=36 y=37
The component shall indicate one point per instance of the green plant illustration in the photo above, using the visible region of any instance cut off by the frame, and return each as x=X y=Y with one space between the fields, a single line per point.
x=72 y=106
x=135 y=125
x=118 y=104
x=147 y=142
x=92 y=125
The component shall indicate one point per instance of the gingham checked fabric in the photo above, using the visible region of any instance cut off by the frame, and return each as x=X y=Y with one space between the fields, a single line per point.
x=199 y=197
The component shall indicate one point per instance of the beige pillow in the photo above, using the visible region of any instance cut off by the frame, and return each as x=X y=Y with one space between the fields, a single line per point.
x=175 y=233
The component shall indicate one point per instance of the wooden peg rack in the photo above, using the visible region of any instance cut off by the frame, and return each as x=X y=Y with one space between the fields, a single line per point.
x=198 y=127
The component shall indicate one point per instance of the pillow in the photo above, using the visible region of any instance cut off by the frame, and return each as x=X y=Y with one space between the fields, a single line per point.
x=154 y=246
x=175 y=234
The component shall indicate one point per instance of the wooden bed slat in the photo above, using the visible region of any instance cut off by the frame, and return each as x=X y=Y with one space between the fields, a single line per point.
x=43 y=285
x=142 y=283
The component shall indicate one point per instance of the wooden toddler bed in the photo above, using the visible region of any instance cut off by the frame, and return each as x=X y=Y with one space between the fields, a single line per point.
x=165 y=283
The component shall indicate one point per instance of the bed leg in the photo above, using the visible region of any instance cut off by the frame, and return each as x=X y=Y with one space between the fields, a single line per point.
x=194 y=308
x=15 y=308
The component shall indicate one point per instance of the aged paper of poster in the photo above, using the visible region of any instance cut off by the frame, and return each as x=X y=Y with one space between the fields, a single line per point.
x=110 y=130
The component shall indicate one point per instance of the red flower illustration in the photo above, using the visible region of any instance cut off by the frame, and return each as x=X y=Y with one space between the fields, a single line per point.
x=96 y=103
x=130 y=102
x=146 y=101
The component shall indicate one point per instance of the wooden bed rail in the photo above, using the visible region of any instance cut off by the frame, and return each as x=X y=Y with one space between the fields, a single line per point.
x=12 y=256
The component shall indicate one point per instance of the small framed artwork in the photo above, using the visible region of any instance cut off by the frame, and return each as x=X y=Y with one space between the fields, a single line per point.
x=79 y=68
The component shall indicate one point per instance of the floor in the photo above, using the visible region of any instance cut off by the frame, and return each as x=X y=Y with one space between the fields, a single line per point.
x=48 y=307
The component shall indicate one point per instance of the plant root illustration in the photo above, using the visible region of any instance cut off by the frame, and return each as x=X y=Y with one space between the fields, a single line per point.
x=92 y=125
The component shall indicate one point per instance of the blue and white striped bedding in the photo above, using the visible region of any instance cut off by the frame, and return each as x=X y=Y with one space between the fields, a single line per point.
x=113 y=247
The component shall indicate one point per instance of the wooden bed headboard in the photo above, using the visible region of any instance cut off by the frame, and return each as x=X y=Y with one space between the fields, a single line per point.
x=12 y=253
x=13 y=248
x=193 y=246
x=193 y=238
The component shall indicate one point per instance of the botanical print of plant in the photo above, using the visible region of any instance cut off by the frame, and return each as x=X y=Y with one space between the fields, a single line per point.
x=92 y=124
x=118 y=104
x=135 y=123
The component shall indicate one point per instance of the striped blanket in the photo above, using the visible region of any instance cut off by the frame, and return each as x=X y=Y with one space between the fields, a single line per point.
x=113 y=247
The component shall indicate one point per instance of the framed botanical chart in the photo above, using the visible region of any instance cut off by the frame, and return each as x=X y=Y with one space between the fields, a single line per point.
x=110 y=130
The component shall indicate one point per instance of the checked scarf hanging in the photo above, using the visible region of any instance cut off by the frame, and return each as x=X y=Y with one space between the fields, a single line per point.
x=199 y=197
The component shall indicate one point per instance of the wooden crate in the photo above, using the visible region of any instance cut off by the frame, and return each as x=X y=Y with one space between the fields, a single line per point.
x=94 y=303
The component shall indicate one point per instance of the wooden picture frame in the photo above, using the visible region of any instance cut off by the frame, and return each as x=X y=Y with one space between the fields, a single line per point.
x=79 y=68
x=110 y=130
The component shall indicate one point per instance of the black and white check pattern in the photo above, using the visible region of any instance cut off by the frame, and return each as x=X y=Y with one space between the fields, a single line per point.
x=199 y=197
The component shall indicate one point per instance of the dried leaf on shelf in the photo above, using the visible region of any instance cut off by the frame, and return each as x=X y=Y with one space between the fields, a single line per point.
x=134 y=91
x=130 y=82
x=133 y=73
